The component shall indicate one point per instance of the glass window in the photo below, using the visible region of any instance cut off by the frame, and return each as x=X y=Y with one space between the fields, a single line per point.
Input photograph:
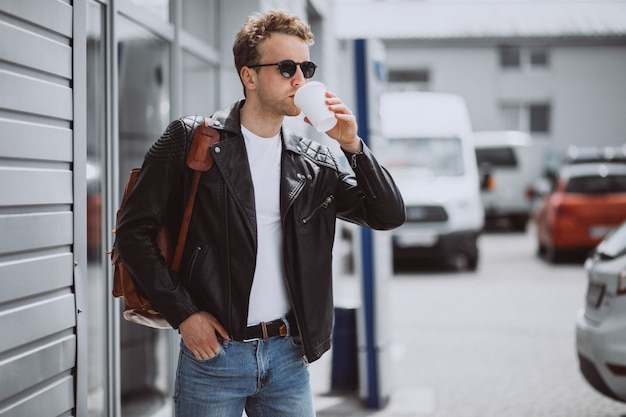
x=597 y=185
x=199 y=86
x=144 y=93
x=496 y=157
x=144 y=112
x=510 y=115
x=96 y=177
x=510 y=57
x=534 y=118
x=159 y=8
x=409 y=75
x=539 y=58
x=425 y=157
x=539 y=118
x=200 y=20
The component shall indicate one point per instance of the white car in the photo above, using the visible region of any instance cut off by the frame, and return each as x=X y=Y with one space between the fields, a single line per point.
x=511 y=161
x=600 y=326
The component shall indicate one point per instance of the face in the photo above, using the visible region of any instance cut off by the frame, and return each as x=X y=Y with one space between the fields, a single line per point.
x=271 y=91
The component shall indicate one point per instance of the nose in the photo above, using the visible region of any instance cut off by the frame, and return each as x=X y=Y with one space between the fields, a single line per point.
x=298 y=78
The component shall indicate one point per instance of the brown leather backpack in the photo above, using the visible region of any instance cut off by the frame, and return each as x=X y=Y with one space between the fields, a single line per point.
x=137 y=308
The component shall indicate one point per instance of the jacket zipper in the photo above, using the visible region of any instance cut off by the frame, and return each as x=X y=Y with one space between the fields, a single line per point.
x=327 y=201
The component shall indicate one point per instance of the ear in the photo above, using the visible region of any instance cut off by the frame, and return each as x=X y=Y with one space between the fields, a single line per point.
x=248 y=78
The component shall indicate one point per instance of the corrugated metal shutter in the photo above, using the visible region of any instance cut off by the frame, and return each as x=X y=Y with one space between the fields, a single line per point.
x=38 y=346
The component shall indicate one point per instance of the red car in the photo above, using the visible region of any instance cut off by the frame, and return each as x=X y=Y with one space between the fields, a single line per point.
x=588 y=201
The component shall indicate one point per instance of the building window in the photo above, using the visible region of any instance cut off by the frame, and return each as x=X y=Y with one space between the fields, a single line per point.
x=510 y=57
x=539 y=118
x=515 y=57
x=527 y=117
x=409 y=79
x=408 y=75
x=158 y=8
x=539 y=58
x=97 y=278
x=200 y=20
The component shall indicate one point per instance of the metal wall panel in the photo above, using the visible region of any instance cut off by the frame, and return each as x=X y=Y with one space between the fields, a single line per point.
x=51 y=400
x=54 y=15
x=32 y=276
x=38 y=192
x=37 y=186
x=30 y=232
x=54 y=57
x=35 y=141
x=51 y=360
x=30 y=95
x=31 y=321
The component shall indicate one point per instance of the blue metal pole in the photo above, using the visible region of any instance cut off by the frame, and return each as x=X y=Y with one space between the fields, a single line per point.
x=373 y=398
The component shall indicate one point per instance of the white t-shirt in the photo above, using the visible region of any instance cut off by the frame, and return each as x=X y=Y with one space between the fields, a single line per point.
x=268 y=299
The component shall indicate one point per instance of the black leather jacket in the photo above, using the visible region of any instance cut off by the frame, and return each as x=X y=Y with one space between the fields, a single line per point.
x=220 y=251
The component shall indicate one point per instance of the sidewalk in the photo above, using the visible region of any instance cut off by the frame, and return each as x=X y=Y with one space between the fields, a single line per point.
x=404 y=401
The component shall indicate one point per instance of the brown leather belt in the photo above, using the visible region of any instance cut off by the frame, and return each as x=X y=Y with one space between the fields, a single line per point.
x=277 y=328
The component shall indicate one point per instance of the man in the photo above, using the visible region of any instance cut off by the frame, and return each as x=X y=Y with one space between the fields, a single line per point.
x=253 y=299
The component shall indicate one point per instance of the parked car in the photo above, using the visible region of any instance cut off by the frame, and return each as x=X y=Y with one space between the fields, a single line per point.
x=585 y=154
x=588 y=201
x=509 y=162
x=600 y=325
x=555 y=159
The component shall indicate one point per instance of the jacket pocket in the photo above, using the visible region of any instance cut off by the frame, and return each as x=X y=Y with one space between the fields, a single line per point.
x=191 y=266
x=319 y=208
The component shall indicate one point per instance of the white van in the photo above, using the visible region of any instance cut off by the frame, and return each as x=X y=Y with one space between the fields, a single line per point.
x=428 y=149
x=513 y=164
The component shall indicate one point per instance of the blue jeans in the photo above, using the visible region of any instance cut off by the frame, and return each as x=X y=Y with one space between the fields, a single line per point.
x=267 y=378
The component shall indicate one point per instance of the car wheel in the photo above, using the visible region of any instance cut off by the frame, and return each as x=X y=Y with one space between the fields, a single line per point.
x=552 y=255
x=463 y=262
x=459 y=262
x=519 y=223
x=472 y=264
x=541 y=249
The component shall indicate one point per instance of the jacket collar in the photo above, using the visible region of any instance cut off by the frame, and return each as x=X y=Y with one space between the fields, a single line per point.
x=228 y=119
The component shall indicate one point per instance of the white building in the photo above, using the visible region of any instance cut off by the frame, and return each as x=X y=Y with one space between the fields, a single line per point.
x=554 y=68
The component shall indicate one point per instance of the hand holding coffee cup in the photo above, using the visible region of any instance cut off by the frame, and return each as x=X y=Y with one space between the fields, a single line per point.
x=311 y=98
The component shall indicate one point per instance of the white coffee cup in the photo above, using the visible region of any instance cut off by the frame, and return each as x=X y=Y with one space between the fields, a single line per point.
x=311 y=99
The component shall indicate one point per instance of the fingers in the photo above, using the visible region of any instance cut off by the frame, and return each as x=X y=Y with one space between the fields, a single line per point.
x=336 y=105
x=203 y=354
x=198 y=332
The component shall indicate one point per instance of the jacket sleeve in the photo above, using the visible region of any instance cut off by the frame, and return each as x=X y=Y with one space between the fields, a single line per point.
x=148 y=207
x=370 y=197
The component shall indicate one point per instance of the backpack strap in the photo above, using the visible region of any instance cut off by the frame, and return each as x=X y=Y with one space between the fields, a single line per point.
x=200 y=160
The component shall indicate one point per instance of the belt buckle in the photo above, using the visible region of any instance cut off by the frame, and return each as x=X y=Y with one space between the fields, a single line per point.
x=282 y=330
x=285 y=329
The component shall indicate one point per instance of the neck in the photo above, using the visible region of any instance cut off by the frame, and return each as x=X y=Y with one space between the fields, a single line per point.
x=258 y=122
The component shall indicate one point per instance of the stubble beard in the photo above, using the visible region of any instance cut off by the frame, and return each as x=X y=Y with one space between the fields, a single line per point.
x=279 y=106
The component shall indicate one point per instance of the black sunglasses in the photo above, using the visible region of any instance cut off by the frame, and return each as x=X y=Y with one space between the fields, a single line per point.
x=288 y=68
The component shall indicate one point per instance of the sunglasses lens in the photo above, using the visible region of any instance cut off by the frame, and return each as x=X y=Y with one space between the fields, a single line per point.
x=287 y=68
x=308 y=69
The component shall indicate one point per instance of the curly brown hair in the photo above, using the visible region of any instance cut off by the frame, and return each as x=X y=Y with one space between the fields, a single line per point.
x=259 y=27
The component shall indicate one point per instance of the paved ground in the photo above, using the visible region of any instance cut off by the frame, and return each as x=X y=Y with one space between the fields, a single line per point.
x=495 y=343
